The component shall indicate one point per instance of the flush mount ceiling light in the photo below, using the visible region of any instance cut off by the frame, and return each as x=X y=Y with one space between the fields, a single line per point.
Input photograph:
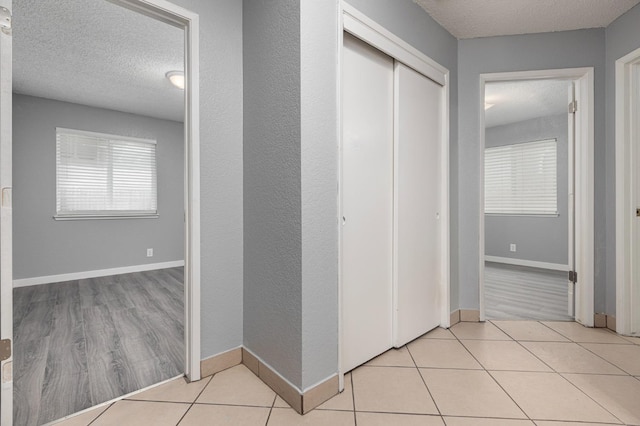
x=176 y=78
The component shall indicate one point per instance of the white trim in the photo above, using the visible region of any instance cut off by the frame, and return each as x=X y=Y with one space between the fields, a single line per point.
x=72 y=276
x=359 y=25
x=625 y=189
x=190 y=22
x=529 y=263
x=6 y=220
x=584 y=172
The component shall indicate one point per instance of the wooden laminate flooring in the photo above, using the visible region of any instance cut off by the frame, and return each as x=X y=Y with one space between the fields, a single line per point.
x=80 y=343
x=515 y=292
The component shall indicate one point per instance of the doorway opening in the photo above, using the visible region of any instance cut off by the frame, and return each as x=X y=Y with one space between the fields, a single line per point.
x=106 y=150
x=536 y=233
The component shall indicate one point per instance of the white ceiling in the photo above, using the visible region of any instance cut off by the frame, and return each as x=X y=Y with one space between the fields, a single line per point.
x=95 y=53
x=515 y=101
x=485 y=18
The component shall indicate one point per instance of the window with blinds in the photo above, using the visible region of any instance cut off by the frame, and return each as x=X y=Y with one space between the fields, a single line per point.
x=101 y=175
x=521 y=179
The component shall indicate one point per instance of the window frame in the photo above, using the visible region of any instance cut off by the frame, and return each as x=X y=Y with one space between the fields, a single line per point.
x=106 y=214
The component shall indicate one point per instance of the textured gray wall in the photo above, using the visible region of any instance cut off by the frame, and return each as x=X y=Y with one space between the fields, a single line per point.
x=569 y=49
x=411 y=23
x=319 y=171
x=44 y=246
x=542 y=239
x=272 y=195
x=622 y=37
x=220 y=172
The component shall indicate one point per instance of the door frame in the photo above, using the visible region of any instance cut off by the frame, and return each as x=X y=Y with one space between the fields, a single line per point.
x=179 y=17
x=359 y=25
x=188 y=21
x=584 y=181
x=626 y=133
x=6 y=238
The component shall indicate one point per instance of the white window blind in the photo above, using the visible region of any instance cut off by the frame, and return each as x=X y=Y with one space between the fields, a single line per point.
x=104 y=175
x=521 y=179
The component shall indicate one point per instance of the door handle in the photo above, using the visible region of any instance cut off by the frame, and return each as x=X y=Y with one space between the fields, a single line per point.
x=637 y=212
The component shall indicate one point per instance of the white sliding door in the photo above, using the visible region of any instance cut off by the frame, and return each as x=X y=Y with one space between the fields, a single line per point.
x=367 y=202
x=417 y=253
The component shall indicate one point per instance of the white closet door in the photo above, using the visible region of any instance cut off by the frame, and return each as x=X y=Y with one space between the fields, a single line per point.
x=367 y=202
x=418 y=106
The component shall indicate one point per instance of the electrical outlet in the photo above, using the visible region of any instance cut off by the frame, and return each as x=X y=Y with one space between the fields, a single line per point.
x=149 y=252
x=512 y=247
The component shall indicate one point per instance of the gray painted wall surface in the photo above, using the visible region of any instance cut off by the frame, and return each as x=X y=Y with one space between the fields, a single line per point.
x=272 y=195
x=411 y=23
x=569 y=49
x=44 y=246
x=622 y=37
x=220 y=172
x=542 y=239
x=319 y=171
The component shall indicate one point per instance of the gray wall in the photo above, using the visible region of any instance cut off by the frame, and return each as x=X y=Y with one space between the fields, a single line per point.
x=220 y=172
x=542 y=239
x=410 y=22
x=622 y=37
x=272 y=198
x=319 y=171
x=567 y=49
x=44 y=246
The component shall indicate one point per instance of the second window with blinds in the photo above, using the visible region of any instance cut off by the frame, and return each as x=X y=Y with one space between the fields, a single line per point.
x=104 y=176
x=521 y=179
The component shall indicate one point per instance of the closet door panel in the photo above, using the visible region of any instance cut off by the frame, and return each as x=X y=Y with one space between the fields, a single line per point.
x=367 y=202
x=418 y=112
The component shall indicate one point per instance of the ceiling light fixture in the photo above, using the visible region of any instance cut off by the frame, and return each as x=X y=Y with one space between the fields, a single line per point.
x=176 y=78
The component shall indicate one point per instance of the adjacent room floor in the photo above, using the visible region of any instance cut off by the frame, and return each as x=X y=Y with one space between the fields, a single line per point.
x=518 y=292
x=496 y=373
x=81 y=343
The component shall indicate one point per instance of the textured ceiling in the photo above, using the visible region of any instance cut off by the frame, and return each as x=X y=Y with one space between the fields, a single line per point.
x=485 y=18
x=516 y=101
x=95 y=53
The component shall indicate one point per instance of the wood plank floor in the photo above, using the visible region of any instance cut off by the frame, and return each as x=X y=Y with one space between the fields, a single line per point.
x=515 y=292
x=80 y=343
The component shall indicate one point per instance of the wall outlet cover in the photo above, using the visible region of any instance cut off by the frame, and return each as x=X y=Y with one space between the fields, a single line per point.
x=512 y=247
x=149 y=252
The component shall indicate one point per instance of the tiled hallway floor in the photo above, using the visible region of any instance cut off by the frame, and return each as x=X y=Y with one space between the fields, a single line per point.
x=495 y=373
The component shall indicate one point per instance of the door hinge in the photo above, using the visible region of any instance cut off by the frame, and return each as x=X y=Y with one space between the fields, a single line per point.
x=573 y=107
x=5 y=20
x=5 y=349
x=573 y=276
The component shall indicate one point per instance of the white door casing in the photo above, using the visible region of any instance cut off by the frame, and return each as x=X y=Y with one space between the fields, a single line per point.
x=417 y=201
x=6 y=259
x=628 y=194
x=583 y=182
x=367 y=201
x=571 y=142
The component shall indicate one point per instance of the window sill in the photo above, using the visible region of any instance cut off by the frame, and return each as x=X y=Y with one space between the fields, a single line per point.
x=105 y=217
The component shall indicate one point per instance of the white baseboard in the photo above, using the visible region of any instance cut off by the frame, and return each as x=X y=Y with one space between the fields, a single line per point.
x=24 y=282
x=529 y=263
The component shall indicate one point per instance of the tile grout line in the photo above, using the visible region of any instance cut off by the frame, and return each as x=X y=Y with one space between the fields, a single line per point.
x=424 y=381
x=99 y=415
x=275 y=398
x=601 y=357
x=194 y=401
x=353 y=399
x=490 y=375
x=553 y=370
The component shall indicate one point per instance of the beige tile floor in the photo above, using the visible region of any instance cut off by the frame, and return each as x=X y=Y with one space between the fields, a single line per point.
x=498 y=373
